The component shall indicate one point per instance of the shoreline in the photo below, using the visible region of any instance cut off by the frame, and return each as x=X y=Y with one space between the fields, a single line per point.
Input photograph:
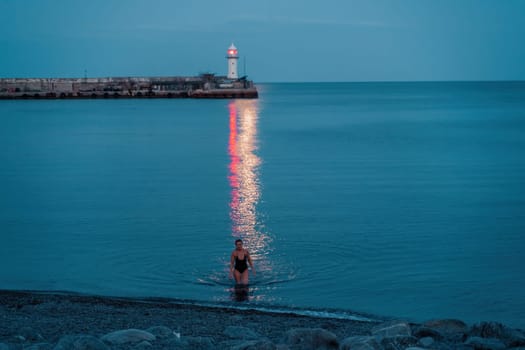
x=62 y=320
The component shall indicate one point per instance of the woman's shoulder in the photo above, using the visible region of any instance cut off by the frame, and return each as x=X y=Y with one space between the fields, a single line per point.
x=235 y=252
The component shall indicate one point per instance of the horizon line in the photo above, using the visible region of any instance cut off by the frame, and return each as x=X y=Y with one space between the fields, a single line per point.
x=391 y=81
x=287 y=82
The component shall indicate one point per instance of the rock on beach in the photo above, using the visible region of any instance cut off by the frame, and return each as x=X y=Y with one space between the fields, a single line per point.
x=361 y=343
x=80 y=342
x=311 y=338
x=511 y=337
x=390 y=329
x=65 y=322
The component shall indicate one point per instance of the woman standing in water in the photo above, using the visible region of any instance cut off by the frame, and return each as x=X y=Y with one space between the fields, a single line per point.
x=239 y=261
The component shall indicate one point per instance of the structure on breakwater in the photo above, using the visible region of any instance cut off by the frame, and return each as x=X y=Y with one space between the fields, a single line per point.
x=203 y=86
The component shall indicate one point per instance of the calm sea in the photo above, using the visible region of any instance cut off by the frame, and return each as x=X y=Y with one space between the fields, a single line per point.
x=396 y=199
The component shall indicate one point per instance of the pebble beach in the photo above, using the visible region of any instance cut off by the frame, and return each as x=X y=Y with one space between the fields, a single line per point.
x=65 y=321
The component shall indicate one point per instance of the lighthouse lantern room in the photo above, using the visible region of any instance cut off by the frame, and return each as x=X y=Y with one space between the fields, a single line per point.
x=232 y=62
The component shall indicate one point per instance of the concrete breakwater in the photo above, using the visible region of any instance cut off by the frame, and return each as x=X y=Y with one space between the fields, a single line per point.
x=203 y=86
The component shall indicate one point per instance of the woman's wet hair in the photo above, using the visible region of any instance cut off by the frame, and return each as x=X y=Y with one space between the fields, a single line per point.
x=238 y=241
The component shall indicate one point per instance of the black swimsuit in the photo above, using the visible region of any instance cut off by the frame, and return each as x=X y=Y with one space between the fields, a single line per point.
x=241 y=265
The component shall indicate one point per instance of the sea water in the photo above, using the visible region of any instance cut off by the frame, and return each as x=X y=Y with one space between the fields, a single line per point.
x=395 y=199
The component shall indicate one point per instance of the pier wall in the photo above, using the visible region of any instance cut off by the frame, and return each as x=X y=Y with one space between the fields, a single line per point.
x=204 y=86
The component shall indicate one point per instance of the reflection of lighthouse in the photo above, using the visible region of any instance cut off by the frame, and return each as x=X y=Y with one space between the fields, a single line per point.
x=245 y=188
x=244 y=177
x=232 y=62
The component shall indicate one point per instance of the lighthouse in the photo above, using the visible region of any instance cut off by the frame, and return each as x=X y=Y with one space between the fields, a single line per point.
x=232 y=62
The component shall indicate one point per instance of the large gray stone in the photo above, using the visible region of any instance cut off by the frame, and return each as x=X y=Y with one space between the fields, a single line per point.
x=398 y=342
x=128 y=336
x=449 y=326
x=391 y=329
x=360 y=343
x=311 y=338
x=489 y=330
x=422 y=332
x=80 y=342
x=237 y=332
x=426 y=342
x=485 y=343
x=511 y=337
x=451 y=329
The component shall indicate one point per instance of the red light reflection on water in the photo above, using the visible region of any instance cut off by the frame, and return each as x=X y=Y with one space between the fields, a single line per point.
x=244 y=175
x=234 y=158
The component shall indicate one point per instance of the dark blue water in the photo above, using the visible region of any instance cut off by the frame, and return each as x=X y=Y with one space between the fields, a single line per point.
x=398 y=199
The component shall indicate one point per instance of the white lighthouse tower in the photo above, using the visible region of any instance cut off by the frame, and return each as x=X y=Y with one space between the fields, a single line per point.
x=232 y=62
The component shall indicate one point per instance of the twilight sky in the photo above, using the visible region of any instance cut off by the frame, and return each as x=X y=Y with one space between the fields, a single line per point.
x=280 y=40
